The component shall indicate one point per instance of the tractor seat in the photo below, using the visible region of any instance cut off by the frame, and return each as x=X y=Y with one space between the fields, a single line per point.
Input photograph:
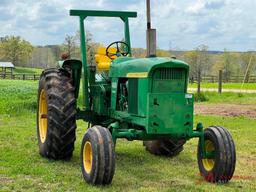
x=102 y=60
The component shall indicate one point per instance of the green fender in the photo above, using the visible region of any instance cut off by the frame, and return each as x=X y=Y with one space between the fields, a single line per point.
x=76 y=68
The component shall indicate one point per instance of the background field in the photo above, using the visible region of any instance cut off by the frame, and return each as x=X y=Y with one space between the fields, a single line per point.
x=246 y=86
x=24 y=70
x=22 y=169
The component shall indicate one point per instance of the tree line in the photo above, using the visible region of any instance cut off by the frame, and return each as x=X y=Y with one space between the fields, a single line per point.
x=202 y=61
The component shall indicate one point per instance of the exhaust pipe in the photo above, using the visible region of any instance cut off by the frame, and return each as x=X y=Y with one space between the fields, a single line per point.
x=151 y=35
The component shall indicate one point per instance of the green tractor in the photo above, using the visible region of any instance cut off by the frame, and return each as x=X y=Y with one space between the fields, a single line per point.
x=123 y=97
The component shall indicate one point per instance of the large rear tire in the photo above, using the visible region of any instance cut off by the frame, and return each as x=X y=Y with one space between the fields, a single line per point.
x=165 y=147
x=221 y=167
x=56 y=114
x=98 y=156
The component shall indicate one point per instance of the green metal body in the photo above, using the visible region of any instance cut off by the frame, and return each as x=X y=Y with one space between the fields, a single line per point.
x=137 y=99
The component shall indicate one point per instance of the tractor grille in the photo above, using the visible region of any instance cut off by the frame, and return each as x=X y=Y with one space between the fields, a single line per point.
x=167 y=80
x=169 y=74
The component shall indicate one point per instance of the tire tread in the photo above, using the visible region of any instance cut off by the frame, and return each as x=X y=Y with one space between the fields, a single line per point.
x=61 y=105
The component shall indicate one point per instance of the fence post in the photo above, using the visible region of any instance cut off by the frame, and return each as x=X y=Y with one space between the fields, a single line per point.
x=199 y=82
x=34 y=77
x=23 y=76
x=220 y=82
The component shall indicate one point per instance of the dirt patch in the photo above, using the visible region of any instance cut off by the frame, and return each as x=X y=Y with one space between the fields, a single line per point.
x=228 y=110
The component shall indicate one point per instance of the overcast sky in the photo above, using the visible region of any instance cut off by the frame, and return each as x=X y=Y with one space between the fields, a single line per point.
x=182 y=24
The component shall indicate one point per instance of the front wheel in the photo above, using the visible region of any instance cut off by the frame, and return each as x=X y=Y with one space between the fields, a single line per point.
x=221 y=167
x=98 y=156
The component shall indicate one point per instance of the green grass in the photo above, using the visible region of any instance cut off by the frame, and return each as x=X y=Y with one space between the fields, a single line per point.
x=246 y=86
x=17 y=97
x=232 y=98
x=22 y=168
x=24 y=70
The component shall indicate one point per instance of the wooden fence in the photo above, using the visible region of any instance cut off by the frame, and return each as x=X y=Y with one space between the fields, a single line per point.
x=231 y=79
x=20 y=76
x=209 y=78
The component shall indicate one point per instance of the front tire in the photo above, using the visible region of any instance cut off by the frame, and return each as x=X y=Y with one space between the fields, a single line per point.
x=98 y=156
x=221 y=167
x=56 y=114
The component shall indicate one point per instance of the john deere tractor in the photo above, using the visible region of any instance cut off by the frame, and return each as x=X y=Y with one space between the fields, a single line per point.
x=124 y=97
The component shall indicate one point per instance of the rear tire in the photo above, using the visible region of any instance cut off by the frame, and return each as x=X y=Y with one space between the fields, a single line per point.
x=164 y=147
x=221 y=167
x=98 y=156
x=56 y=114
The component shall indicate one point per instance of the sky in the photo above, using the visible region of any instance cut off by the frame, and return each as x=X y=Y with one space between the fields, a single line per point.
x=180 y=24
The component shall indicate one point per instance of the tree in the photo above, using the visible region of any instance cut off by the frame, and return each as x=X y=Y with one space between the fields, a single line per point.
x=191 y=58
x=90 y=48
x=43 y=57
x=227 y=62
x=199 y=62
x=162 y=53
x=16 y=50
x=70 y=45
x=247 y=64
x=139 y=52
x=56 y=51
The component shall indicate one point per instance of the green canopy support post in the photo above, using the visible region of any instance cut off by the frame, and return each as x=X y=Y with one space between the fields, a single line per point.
x=84 y=60
x=83 y=14
x=127 y=32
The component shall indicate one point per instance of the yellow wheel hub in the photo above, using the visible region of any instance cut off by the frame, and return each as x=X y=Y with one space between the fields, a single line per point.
x=208 y=163
x=42 y=117
x=87 y=157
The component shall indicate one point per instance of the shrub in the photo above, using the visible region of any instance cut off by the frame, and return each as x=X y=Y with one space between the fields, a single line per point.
x=201 y=97
x=240 y=95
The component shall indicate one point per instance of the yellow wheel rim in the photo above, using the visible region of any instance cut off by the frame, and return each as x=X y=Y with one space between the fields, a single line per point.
x=87 y=157
x=42 y=117
x=208 y=163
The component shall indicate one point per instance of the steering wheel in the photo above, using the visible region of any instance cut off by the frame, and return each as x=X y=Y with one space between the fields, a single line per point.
x=122 y=49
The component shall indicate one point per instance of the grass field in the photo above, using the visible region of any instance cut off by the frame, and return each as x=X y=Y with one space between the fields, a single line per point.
x=22 y=168
x=246 y=86
x=232 y=98
x=24 y=70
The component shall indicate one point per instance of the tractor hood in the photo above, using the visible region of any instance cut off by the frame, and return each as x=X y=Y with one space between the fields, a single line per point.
x=142 y=67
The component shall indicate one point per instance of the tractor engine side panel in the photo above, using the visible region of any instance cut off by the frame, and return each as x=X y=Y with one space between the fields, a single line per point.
x=137 y=100
x=101 y=99
x=101 y=93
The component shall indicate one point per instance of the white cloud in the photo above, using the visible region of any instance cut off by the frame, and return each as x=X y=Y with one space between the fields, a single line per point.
x=201 y=6
x=186 y=24
x=195 y=8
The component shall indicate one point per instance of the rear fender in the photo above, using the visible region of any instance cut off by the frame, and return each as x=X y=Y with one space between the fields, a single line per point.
x=75 y=66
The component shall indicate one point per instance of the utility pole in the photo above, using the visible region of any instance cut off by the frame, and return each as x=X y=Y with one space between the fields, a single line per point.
x=151 y=35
